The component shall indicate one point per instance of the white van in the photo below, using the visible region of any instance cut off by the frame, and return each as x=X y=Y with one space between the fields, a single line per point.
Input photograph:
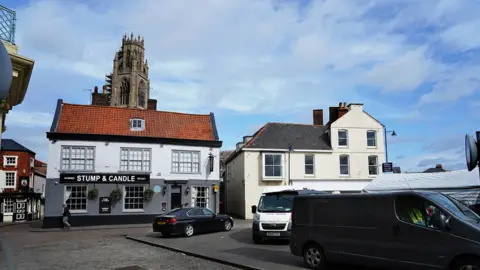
x=272 y=217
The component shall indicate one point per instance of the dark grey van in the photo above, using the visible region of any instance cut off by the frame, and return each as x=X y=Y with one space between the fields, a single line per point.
x=394 y=230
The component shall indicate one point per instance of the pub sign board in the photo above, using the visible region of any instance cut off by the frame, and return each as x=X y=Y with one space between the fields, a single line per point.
x=105 y=205
x=104 y=178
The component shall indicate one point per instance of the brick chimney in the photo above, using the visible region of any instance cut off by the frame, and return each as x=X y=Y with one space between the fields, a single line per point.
x=152 y=104
x=439 y=166
x=318 y=117
x=95 y=89
x=342 y=109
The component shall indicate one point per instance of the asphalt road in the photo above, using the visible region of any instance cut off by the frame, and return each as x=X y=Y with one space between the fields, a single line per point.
x=93 y=249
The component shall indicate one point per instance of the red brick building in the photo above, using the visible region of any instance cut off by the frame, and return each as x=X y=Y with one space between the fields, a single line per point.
x=17 y=166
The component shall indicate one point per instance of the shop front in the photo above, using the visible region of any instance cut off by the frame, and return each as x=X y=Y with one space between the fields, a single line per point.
x=118 y=198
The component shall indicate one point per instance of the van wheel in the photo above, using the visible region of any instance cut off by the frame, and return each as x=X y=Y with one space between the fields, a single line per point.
x=313 y=256
x=469 y=263
x=257 y=239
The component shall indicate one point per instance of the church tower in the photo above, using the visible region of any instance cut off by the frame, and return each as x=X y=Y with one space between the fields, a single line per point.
x=128 y=84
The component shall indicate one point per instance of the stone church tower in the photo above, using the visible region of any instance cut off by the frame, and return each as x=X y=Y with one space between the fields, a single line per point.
x=128 y=84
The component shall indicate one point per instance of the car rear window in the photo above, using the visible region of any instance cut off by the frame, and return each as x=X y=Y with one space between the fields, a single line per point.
x=177 y=212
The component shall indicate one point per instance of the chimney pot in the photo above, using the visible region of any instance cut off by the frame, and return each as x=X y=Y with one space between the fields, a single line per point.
x=439 y=166
x=340 y=105
x=344 y=104
x=95 y=89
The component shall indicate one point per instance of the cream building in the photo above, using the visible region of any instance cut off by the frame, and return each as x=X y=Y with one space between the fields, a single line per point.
x=342 y=156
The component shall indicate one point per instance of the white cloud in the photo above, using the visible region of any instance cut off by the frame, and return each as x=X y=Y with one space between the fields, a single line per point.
x=30 y=119
x=233 y=46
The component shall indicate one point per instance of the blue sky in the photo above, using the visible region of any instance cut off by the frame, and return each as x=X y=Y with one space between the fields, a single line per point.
x=414 y=64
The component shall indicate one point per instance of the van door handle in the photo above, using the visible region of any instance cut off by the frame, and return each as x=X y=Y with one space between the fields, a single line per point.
x=396 y=229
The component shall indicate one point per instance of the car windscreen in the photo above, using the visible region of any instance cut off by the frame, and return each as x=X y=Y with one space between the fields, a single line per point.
x=277 y=202
x=453 y=205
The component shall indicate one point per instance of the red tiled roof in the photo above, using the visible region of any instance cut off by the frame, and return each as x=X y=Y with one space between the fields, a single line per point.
x=106 y=120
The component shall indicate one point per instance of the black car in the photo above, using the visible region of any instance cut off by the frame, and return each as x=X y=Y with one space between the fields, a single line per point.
x=191 y=220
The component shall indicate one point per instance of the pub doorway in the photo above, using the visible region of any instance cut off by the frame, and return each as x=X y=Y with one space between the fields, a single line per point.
x=175 y=196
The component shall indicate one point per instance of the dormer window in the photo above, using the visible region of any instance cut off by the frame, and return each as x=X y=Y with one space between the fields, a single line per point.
x=137 y=124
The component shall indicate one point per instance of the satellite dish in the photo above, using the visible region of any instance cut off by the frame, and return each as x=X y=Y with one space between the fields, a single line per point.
x=471 y=152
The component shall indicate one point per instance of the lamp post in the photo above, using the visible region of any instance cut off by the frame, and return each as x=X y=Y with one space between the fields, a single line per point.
x=386 y=144
x=5 y=82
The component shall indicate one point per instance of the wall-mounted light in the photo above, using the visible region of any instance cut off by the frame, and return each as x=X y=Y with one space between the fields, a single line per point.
x=187 y=190
x=210 y=161
x=164 y=189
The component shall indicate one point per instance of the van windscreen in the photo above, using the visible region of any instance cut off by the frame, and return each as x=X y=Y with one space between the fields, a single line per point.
x=276 y=203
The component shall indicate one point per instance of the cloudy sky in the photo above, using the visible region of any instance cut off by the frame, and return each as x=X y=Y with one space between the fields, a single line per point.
x=414 y=64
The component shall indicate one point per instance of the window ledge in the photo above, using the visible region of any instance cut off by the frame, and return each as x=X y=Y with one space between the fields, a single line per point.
x=198 y=173
x=372 y=175
x=266 y=178
x=136 y=172
x=309 y=175
x=78 y=211
x=344 y=175
x=372 y=147
x=133 y=211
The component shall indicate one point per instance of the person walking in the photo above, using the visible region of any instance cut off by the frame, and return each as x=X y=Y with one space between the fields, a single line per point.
x=65 y=216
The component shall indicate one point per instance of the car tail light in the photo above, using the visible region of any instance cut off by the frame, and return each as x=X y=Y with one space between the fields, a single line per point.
x=172 y=221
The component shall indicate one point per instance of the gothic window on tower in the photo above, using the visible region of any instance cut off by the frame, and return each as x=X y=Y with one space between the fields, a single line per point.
x=125 y=92
x=129 y=61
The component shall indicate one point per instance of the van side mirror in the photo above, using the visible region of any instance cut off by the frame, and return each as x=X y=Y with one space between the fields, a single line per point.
x=254 y=209
x=440 y=221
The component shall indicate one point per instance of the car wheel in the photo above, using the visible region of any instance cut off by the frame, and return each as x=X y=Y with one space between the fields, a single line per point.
x=471 y=263
x=313 y=256
x=227 y=225
x=257 y=239
x=188 y=230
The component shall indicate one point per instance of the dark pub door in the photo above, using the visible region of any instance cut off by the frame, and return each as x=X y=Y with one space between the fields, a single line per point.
x=175 y=196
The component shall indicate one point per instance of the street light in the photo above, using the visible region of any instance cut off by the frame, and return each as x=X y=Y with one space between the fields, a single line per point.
x=386 y=144
x=5 y=72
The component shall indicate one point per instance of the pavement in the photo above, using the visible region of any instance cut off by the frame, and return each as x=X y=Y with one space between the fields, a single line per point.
x=89 y=249
x=234 y=248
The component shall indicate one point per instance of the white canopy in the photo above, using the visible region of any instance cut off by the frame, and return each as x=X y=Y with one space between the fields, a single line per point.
x=462 y=179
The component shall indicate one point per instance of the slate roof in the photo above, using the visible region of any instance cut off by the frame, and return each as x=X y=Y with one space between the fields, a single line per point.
x=11 y=145
x=284 y=135
x=107 y=120
x=298 y=136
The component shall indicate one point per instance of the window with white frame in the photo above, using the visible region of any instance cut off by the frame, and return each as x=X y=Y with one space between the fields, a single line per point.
x=372 y=165
x=371 y=138
x=185 y=161
x=133 y=198
x=309 y=164
x=10 y=160
x=343 y=137
x=135 y=159
x=200 y=197
x=272 y=165
x=7 y=205
x=10 y=178
x=32 y=162
x=78 y=158
x=76 y=198
x=344 y=165
x=137 y=124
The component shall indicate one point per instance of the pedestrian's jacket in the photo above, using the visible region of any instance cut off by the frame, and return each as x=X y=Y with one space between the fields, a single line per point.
x=66 y=212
